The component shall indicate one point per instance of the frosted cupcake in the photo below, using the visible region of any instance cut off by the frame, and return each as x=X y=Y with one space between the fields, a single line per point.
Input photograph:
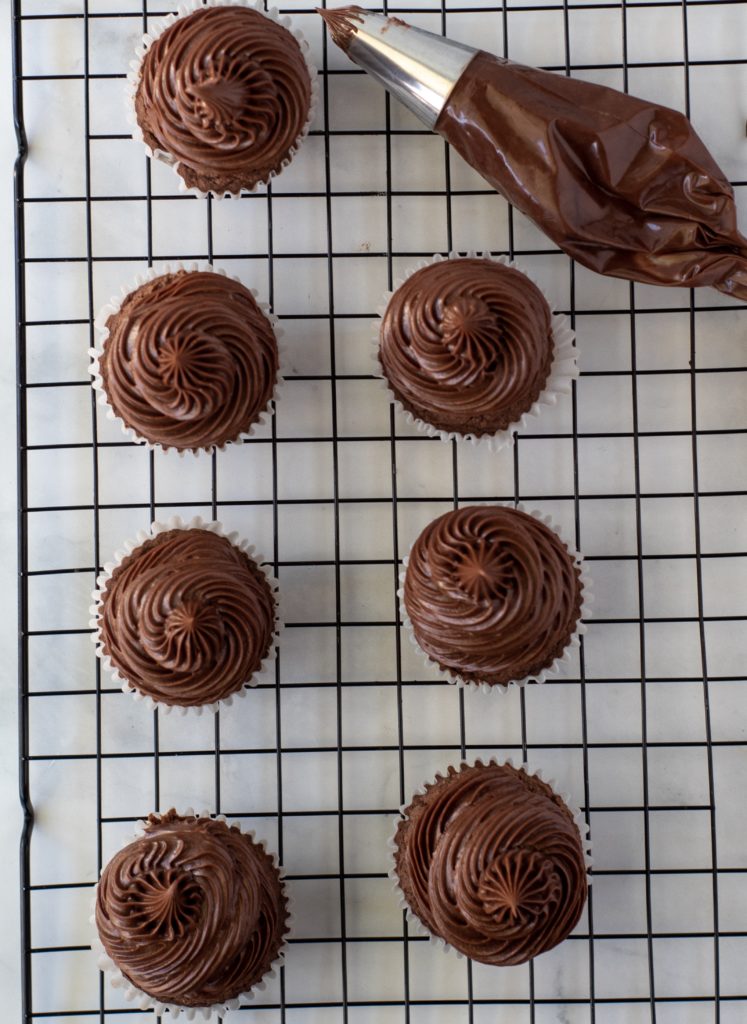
x=224 y=94
x=192 y=913
x=186 y=618
x=469 y=347
x=491 y=861
x=189 y=360
x=492 y=595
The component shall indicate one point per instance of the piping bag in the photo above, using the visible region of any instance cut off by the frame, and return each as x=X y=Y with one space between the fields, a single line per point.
x=621 y=184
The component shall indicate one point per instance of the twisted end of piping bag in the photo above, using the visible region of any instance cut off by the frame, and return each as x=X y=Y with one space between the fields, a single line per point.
x=621 y=184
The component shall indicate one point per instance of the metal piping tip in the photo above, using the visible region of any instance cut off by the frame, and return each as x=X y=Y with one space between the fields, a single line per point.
x=419 y=68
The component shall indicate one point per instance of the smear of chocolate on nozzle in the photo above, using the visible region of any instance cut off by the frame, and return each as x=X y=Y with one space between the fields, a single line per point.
x=341 y=23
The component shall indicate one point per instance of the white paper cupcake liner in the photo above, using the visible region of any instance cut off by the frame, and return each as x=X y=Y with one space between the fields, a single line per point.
x=115 y=304
x=563 y=370
x=412 y=918
x=185 y=8
x=585 y=612
x=263 y=673
x=142 y=999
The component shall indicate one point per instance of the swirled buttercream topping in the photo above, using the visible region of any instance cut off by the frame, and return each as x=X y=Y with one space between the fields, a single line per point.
x=466 y=345
x=192 y=912
x=224 y=91
x=191 y=360
x=187 y=618
x=492 y=594
x=490 y=860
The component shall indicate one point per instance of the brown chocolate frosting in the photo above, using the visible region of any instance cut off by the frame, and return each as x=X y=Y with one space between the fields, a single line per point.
x=191 y=360
x=621 y=184
x=226 y=92
x=492 y=593
x=341 y=23
x=193 y=912
x=187 y=618
x=466 y=345
x=491 y=861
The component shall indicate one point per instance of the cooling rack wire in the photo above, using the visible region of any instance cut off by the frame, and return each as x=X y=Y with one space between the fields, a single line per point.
x=643 y=467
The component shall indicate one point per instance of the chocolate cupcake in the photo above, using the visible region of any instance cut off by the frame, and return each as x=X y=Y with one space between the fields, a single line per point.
x=224 y=94
x=189 y=360
x=469 y=346
x=186 y=617
x=491 y=861
x=192 y=913
x=492 y=595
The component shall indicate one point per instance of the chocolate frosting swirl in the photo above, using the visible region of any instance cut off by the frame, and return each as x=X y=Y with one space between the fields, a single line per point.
x=187 y=618
x=490 y=860
x=226 y=92
x=192 y=912
x=466 y=345
x=191 y=360
x=492 y=593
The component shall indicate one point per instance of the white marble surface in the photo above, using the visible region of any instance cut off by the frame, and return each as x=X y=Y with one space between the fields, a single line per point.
x=64 y=789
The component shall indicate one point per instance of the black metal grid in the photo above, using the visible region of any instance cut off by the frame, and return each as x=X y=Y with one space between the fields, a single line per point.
x=590 y=997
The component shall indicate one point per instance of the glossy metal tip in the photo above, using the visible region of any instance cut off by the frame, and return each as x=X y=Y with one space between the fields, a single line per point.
x=417 y=67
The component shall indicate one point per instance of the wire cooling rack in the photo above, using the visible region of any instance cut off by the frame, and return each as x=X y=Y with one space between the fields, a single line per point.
x=644 y=469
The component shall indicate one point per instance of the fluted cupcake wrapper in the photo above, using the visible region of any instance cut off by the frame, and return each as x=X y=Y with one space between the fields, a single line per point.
x=412 y=918
x=145 y=1002
x=115 y=304
x=185 y=8
x=563 y=370
x=264 y=671
x=585 y=612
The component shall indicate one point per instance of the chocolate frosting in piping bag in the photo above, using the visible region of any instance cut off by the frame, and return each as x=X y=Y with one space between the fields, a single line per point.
x=621 y=184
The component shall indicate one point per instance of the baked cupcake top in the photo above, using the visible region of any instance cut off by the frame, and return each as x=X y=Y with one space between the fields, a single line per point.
x=490 y=859
x=192 y=912
x=466 y=345
x=191 y=361
x=492 y=593
x=226 y=93
x=187 y=618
